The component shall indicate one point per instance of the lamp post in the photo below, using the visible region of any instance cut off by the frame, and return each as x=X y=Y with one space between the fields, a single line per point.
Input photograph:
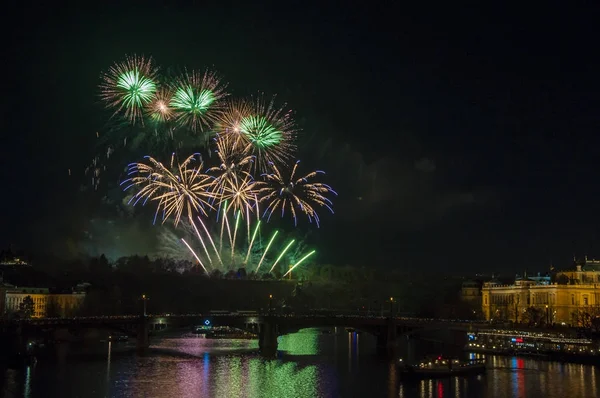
x=391 y=307
x=547 y=316
x=270 y=303
x=144 y=299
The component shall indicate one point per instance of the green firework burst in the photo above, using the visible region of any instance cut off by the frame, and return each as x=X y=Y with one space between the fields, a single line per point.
x=193 y=101
x=130 y=85
x=138 y=88
x=259 y=131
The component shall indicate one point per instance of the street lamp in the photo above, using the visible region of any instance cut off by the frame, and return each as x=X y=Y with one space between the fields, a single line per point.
x=270 y=303
x=547 y=316
x=144 y=299
x=391 y=306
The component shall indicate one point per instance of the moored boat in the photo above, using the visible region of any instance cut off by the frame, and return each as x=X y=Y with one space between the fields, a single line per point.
x=441 y=367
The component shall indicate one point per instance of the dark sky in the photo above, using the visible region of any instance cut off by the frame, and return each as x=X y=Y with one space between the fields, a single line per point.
x=460 y=138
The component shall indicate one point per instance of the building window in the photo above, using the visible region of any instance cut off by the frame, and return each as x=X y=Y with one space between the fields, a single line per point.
x=585 y=300
x=572 y=299
x=485 y=299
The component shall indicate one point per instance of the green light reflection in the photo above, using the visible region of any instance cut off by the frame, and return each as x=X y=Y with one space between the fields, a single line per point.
x=305 y=342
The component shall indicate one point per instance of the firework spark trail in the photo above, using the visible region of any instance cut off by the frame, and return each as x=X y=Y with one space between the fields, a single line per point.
x=129 y=86
x=201 y=240
x=235 y=257
x=266 y=250
x=222 y=226
x=252 y=242
x=212 y=242
x=291 y=193
x=298 y=263
x=226 y=220
x=248 y=221
x=237 y=222
x=281 y=255
x=195 y=255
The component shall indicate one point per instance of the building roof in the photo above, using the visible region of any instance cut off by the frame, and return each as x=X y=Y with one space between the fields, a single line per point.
x=28 y=290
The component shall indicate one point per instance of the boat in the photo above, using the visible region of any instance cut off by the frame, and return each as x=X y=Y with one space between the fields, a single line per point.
x=441 y=367
x=231 y=336
x=225 y=332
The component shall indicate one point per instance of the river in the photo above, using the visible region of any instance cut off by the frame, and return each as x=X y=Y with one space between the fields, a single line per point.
x=309 y=364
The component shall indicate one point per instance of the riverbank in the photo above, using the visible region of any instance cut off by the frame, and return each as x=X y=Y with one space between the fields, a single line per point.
x=582 y=359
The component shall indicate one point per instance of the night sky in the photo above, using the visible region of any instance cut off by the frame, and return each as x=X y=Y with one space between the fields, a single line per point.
x=458 y=139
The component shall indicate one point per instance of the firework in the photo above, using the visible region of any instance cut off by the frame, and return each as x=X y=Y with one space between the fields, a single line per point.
x=184 y=189
x=299 y=262
x=239 y=250
x=253 y=138
x=129 y=86
x=196 y=99
x=241 y=192
x=159 y=108
x=261 y=129
x=295 y=194
x=234 y=165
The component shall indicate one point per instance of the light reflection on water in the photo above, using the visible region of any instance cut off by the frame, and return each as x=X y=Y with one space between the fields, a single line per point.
x=310 y=364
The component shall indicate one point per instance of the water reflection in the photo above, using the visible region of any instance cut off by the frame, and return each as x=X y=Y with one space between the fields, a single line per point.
x=27 y=392
x=311 y=365
x=108 y=364
x=305 y=342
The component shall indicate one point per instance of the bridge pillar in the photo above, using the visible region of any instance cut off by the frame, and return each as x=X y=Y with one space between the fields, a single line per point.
x=267 y=339
x=387 y=338
x=143 y=342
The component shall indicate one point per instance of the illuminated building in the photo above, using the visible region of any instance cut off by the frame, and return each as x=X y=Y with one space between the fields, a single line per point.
x=13 y=299
x=471 y=292
x=59 y=305
x=3 y=288
x=572 y=299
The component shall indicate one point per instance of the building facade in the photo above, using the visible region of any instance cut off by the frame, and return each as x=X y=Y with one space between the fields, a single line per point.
x=574 y=301
x=470 y=292
x=44 y=303
x=14 y=297
x=4 y=287
x=64 y=305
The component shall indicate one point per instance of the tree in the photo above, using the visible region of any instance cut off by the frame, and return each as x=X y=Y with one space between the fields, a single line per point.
x=116 y=300
x=231 y=275
x=241 y=273
x=588 y=318
x=533 y=316
x=96 y=302
x=100 y=264
x=267 y=276
x=27 y=307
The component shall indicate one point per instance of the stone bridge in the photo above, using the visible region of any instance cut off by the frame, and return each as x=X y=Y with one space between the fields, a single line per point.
x=267 y=326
